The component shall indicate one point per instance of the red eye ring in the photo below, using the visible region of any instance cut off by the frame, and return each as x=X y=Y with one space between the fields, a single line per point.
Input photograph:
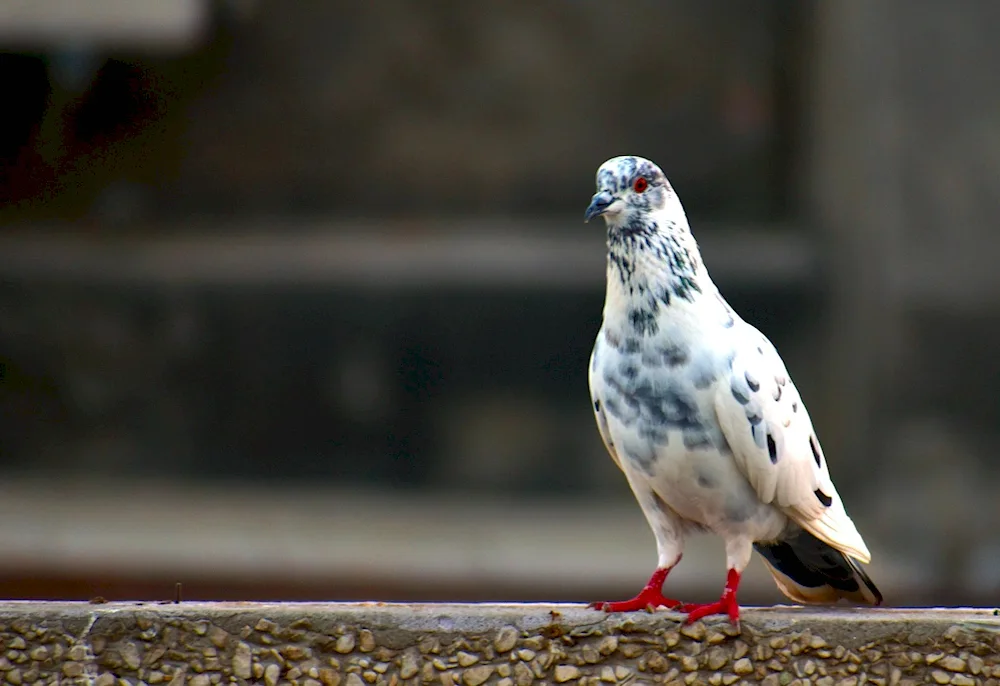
x=640 y=184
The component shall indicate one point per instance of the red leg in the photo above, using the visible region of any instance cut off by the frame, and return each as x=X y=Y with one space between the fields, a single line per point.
x=725 y=605
x=649 y=598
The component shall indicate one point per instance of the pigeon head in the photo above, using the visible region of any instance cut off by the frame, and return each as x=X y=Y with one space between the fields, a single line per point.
x=628 y=189
x=650 y=245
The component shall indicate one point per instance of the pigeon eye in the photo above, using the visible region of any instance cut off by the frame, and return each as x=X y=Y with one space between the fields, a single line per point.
x=640 y=184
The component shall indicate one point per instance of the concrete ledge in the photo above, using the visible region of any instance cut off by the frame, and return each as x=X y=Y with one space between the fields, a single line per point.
x=335 y=644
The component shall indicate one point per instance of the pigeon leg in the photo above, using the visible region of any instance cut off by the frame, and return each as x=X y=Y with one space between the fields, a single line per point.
x=669 y=541
x=726 y=605
x=649 y=598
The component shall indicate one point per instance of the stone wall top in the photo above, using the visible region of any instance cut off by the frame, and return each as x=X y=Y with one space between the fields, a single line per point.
x=381 y=644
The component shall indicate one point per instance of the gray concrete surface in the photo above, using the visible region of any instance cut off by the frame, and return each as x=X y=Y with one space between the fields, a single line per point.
x=508 y=645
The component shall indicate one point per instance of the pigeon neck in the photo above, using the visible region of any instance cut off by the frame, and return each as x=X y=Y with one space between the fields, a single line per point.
x=653 y=264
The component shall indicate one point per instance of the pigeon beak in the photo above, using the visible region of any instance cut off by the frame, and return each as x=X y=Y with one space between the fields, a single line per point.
x=598 y=205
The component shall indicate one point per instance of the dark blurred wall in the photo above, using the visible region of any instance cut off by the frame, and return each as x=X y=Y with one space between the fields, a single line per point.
x=376 y=112
x=905 y=162
x=393 y=108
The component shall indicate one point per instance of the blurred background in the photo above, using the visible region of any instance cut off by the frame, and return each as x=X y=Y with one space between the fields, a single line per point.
x=296 y=299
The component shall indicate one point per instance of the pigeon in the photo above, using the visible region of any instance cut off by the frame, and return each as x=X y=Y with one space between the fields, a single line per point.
x=698 y=411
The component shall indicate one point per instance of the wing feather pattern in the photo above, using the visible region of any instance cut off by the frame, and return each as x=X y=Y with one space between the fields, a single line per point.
x=775 y=446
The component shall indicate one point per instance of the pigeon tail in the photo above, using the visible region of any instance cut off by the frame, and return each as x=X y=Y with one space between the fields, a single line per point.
x=807 y=570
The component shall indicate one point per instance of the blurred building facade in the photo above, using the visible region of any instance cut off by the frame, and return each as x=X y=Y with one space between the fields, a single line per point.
x=339 y=245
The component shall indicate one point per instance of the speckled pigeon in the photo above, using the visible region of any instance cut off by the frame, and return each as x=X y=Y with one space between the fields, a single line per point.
x=697 y=409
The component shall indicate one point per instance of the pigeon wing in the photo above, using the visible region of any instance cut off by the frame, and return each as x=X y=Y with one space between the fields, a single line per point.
x=775 y=446
x=599 y=416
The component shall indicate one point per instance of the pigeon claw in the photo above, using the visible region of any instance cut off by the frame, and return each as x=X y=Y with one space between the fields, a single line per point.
x=648 y=599
x=726 y=605
x=720 y=607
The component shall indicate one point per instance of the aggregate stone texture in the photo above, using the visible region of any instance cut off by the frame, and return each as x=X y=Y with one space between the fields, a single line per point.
x=378 y=644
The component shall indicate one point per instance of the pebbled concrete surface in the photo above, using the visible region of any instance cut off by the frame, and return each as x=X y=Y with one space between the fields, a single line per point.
x=354 y=644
